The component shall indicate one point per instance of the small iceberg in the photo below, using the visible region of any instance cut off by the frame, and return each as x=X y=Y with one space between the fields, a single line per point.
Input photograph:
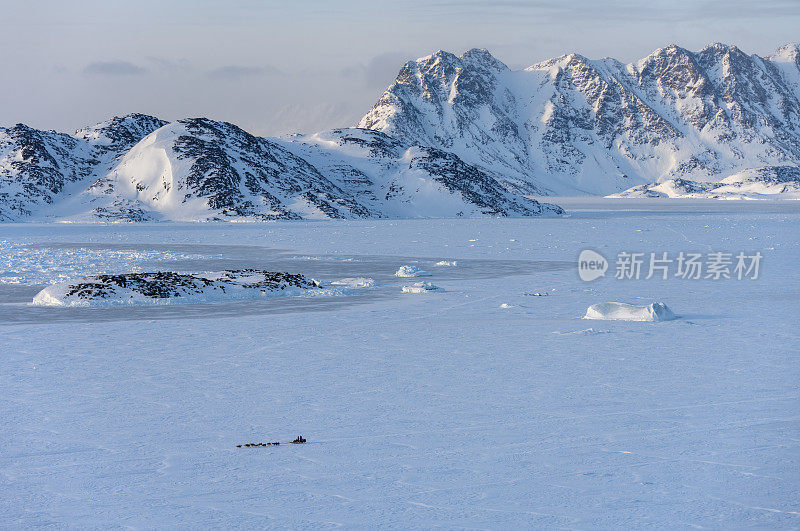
x=421 y=287
x=407 y=271
x=619 y=311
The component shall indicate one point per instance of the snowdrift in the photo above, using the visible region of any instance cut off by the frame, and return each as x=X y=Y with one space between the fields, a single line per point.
x=408 y=271
x=619 y=311
x=421 y=287
x=182 y=288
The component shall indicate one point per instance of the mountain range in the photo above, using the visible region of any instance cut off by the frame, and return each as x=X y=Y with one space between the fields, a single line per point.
x=452 y=136
x=575 y=126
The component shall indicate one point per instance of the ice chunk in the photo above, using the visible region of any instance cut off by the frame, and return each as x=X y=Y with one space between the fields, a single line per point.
x=619 y=311
x=357 y=282
x=410 y=271
x=421 y=287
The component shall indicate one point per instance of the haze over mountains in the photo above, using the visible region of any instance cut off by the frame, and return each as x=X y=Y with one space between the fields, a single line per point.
x=452 y=136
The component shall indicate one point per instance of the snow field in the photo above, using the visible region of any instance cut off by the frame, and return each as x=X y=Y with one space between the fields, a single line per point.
x=420 y=412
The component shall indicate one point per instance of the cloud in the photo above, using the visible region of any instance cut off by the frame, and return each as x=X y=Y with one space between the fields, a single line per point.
x=236 y=72
x=169 y=65
x=548 y=12
x=114 y=68
x=296 y=117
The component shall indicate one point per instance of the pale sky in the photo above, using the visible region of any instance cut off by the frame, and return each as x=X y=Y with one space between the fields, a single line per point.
x=274 y=67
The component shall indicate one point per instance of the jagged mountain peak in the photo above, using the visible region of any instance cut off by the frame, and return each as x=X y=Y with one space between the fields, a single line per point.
x=443 y=61
x=560 y=62
x=788 y=53
x=723 y=54
x=721 y=48
x=120 y=131
x=666 y=53
x=482 y=57
x=438 y=55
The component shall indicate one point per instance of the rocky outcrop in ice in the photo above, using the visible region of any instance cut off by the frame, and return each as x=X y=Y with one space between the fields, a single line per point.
x=177 y=288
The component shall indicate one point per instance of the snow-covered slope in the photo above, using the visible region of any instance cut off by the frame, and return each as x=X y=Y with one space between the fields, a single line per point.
x=400 y=181
x=574 y=125
x=36 y=167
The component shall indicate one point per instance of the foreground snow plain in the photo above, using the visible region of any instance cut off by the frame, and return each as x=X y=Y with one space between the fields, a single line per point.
x=477 y=406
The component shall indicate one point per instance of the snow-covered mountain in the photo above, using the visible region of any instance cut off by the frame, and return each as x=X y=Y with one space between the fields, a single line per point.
x=140 y=168
x=572 y=125
x=452 y=136
x=40 y=169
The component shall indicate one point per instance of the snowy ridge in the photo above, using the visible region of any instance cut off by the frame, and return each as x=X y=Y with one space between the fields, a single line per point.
x=572 y=125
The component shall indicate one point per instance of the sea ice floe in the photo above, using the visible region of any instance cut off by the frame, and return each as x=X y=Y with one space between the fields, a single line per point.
x=410 y=271
x=619 y=311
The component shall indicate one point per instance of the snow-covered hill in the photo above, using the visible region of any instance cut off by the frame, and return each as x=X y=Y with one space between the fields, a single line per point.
x=574 y=125
x=41 y=169
x=761 y=183
x=139 y=168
